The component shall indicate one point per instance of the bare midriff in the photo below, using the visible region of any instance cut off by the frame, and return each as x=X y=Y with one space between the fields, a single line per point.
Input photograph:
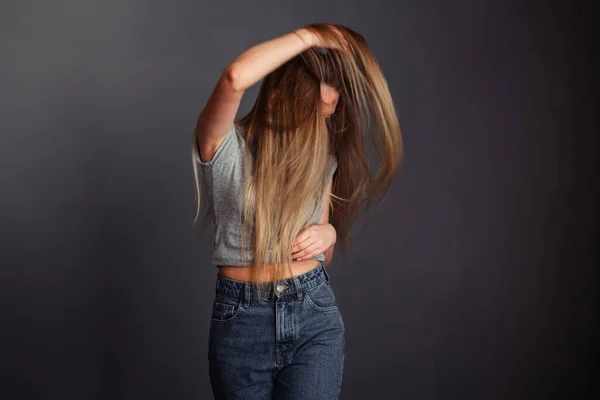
x=245 y=273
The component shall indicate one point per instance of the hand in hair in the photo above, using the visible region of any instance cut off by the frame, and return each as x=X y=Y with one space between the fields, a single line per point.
x=324 y=35
x=313 y=240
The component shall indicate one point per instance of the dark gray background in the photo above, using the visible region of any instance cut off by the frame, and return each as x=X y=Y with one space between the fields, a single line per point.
x=473 y=280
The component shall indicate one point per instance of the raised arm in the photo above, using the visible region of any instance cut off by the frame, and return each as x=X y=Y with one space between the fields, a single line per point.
x=248 y=68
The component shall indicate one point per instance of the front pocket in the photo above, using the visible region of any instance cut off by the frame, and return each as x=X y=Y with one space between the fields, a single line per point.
x=224 y=311
x=321 y=297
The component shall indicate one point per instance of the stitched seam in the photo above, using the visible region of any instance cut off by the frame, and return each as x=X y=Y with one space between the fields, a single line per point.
x=235 y=308
x=318 y=308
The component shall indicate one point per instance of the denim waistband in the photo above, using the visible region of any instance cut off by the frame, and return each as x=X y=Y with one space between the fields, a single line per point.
x=292 y=287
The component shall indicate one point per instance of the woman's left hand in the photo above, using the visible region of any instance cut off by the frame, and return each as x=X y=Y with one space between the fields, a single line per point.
x=313 y=240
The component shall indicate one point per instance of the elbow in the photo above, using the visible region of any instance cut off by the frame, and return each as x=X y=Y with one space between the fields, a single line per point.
x=232 y=76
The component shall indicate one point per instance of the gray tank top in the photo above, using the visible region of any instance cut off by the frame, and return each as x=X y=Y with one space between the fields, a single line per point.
x=223 y=178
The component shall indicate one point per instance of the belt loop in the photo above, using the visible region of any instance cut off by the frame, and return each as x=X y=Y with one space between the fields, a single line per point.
x=246 y=294
x=325 y=271
x=299 y=288
x=218 y=280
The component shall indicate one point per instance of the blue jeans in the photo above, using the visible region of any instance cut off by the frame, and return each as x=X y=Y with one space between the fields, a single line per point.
x=287 y=345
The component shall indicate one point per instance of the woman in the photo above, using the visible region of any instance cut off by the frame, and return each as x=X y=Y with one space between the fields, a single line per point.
x=271 y=180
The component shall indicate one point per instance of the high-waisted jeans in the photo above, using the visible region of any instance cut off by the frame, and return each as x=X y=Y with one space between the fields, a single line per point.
x=286 y=346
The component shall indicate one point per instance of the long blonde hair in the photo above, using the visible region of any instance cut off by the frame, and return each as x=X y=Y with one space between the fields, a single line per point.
x=289 y=142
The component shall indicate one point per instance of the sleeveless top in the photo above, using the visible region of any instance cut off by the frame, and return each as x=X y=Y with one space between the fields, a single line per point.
x=223 y=179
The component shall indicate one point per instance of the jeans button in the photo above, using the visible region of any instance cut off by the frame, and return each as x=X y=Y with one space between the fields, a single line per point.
x=279 y=288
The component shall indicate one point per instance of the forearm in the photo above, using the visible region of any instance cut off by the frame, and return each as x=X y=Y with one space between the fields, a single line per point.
x=259 y=60
x=328 y=255
x=329 y=252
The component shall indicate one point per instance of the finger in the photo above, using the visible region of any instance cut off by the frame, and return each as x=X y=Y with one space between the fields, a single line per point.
x=302 y=245
x=303 y=235
x=343 y=41
x=309 y=252
x=300 y=252
x=306 y=232
x=300 y=237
